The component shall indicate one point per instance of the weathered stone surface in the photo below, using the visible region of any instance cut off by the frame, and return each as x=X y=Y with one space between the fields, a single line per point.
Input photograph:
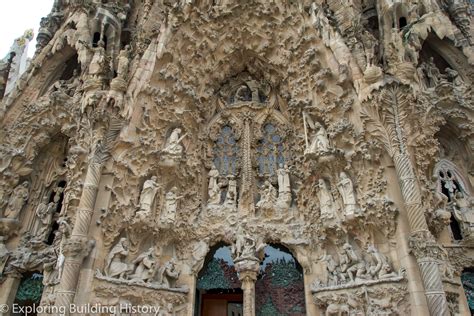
x=145 y=134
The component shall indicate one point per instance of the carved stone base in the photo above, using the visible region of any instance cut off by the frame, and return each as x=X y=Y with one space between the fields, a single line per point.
x=169 y=161
x=378 y=297
x=153 y=286
x=122 y=293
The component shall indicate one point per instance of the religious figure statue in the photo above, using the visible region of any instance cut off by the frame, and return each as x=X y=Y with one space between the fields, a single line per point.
x=173 y=145
x=168 y=274
x=346 y=189
x=331 y=267
x=326 y=201
x=144 y=266
x=17 y=201
x=283 y=179
x=319 y=142
x=199 y=252
x=214 y=190
x=171 y=205
x=49 y=271
x=370 y=44
x=381 y=268
x=147 y=196
x=246 y=247
x=268 y=197
x=463 y=209
x=123 y=62
x=45 y=212
x=432 y=72
x=356 y=266
x=60 y=238
x=231 y=195
x=454 y=77
x=115 y=266
x=284 y=187
x=97 y=64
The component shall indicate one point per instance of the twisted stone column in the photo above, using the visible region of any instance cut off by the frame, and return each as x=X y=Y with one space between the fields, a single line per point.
x=78 y=246
x=430 y=273
x=73 y=255
x=388 y=116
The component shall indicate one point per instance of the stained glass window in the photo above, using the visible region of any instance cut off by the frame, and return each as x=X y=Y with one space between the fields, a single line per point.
x=270 y=152
x=225 y=152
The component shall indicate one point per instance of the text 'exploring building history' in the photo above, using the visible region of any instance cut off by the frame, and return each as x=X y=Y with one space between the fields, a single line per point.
x=240 y=158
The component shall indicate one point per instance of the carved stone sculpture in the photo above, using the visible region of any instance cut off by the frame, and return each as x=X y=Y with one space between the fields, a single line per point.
x=231 y=195
x=17 y=200
x=98 y=62
x=268 y=197
x=173 y=145
x=45 y=212
x=199 y=252
x=61 y=236
x=123 y=62
x=171 y=205
x=464 y=212
x=115 y=266
x=147 y=197
x=319 y=141
x=144 y=266
x=284 y=186
x=326 y=201
x=381 y=268
x=214 y=190
x=355 y=266
x=346 y=189
x=282 y=96
x=168 y=274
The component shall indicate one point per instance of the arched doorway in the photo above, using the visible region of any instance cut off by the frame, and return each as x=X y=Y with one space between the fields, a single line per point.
x=279 y=289
x=218 y=289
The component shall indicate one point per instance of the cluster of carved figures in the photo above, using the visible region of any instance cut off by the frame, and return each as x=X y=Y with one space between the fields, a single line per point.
x=352 y=268
x=144 y=269
x=153 y=132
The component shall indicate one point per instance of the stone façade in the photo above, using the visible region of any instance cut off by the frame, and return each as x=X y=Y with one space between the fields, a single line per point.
x=143 y=134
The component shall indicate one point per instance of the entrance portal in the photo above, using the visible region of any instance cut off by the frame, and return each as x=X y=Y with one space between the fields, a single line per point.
x=218 y=290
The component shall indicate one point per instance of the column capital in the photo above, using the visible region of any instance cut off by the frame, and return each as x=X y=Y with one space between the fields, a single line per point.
x=424 y=247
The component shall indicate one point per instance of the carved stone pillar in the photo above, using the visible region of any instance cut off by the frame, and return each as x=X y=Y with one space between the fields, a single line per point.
x=430 y=273
x=389 y=117
x=248 y=279
x=78 y=246
x=410 y=192
x=8 y=289
x=73 y=259
x=248 y=269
